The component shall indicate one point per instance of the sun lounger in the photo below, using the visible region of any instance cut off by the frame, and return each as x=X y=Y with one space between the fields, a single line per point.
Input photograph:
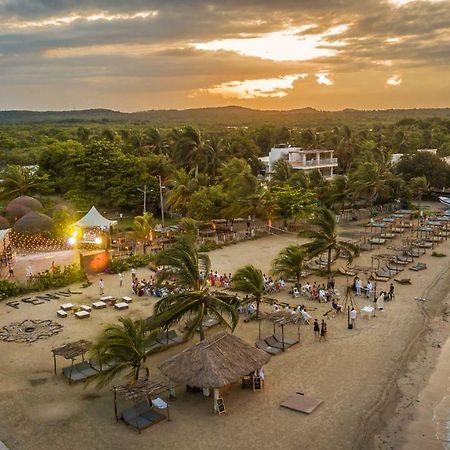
x=376 y=277
x=418 y=266
x=98 y=367
x=99 y=305
x=262 y=345
x=209 y=322
x=301 y=403
x=383 y=274
x=274 y=343
x=287 y=341
x=142 y=416
x=403 y=280
x=66 y=306
x=79 y=372
x=346 y=271
x=121 y=305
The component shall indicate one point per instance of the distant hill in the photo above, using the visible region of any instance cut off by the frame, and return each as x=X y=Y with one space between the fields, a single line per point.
x=224 y=116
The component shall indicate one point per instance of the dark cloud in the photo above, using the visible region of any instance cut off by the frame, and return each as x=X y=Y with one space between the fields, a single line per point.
x=153 y=54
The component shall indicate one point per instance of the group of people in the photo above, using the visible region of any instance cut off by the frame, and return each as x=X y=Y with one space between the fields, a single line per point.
x=216 y=280
x=322 y=293
x=299 y=310
x=271 y=286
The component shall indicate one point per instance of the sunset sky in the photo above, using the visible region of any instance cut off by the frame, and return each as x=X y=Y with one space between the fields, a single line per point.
x=136 y=54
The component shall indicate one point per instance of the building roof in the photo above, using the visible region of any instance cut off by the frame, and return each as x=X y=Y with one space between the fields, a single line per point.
x=94 y=219
x=216 y=361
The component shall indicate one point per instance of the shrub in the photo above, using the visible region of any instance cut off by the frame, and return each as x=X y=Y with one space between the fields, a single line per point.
x=122 y=265
x=438 y=255
x=49 y=280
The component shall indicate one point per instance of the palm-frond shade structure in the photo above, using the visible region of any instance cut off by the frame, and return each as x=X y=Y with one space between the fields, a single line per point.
x=215 y=362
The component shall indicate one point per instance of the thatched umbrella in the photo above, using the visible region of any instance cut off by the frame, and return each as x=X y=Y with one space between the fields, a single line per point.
x=215 y=362
x=4 y=224
x=33 y=222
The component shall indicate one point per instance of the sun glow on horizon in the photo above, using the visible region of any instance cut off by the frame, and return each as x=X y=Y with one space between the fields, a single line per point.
x=261 y=88
x=292 y=44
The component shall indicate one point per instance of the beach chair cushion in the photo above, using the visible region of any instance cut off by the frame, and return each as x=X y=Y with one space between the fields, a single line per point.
x=121 y=305
x=262 y=345
x=99 y=305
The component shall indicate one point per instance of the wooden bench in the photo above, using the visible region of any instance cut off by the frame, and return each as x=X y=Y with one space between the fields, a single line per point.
x=62 y=314
x=66 y=306
x=82 y=314
x=121 y=305
x=99 y=305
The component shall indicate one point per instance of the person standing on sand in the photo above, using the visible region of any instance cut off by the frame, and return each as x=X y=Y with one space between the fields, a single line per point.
x=380 y=301
x=323 y=331
x=316 y=329
x=353 y=318
x=358 y=285
x=120 y=279
x=133 y=273
x=101 y=285
x=391 y=292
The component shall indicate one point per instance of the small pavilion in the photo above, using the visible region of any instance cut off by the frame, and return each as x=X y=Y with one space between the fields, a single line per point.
x=215 y=363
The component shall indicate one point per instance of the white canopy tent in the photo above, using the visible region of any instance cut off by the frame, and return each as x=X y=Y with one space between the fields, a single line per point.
x=93 y=219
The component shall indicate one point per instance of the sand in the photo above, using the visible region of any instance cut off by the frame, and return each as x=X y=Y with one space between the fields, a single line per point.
x=352 y=372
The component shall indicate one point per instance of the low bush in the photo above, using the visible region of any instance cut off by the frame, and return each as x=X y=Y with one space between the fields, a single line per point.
x=122 y=265
x=58 y=278
x=438 y=255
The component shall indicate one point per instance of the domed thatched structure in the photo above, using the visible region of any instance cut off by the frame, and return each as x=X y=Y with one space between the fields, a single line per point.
x=21 y=206
x=33 y=222
x=4 y=224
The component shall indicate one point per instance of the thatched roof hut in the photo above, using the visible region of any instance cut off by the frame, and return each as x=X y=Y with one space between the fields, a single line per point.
x=4 y=224
x=216 y=361
x=21 y=206
x=33 y=222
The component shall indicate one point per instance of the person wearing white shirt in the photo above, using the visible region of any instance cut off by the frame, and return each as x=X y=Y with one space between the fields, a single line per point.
x=358 y=286
x=353 y=318
x=369 y=288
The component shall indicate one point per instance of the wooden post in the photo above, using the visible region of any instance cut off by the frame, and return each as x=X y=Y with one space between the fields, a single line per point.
x=115 y=405
x=70 y=374
x=54 y=362
x=282 y=334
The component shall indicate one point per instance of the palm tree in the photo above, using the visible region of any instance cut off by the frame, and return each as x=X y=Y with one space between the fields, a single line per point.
x=281 y=172
x=17 y=180
x=324 y=238
x=122 y=348
x=183 y=261
x=418 y=186
x=191 y=269
x=144 y=227
x=191 y=149
x=195 y=306
x=249 y=280
x=340 y=191
x=290 y=262
x=369 y=182
x=183 y=185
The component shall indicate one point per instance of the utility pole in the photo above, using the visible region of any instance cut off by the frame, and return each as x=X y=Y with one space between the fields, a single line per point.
x=161 y=200
x=144 y=191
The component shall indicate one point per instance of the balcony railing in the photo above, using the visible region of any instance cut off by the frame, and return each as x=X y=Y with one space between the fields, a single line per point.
x=315 y=163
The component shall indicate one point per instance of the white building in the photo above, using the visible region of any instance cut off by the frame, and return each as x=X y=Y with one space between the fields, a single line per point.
x=300 y=159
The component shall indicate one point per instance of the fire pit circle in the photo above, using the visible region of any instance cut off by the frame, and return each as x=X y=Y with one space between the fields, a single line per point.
x=29 y=330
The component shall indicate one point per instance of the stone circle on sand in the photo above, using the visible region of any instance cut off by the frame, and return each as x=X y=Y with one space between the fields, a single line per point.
x=29 y=330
